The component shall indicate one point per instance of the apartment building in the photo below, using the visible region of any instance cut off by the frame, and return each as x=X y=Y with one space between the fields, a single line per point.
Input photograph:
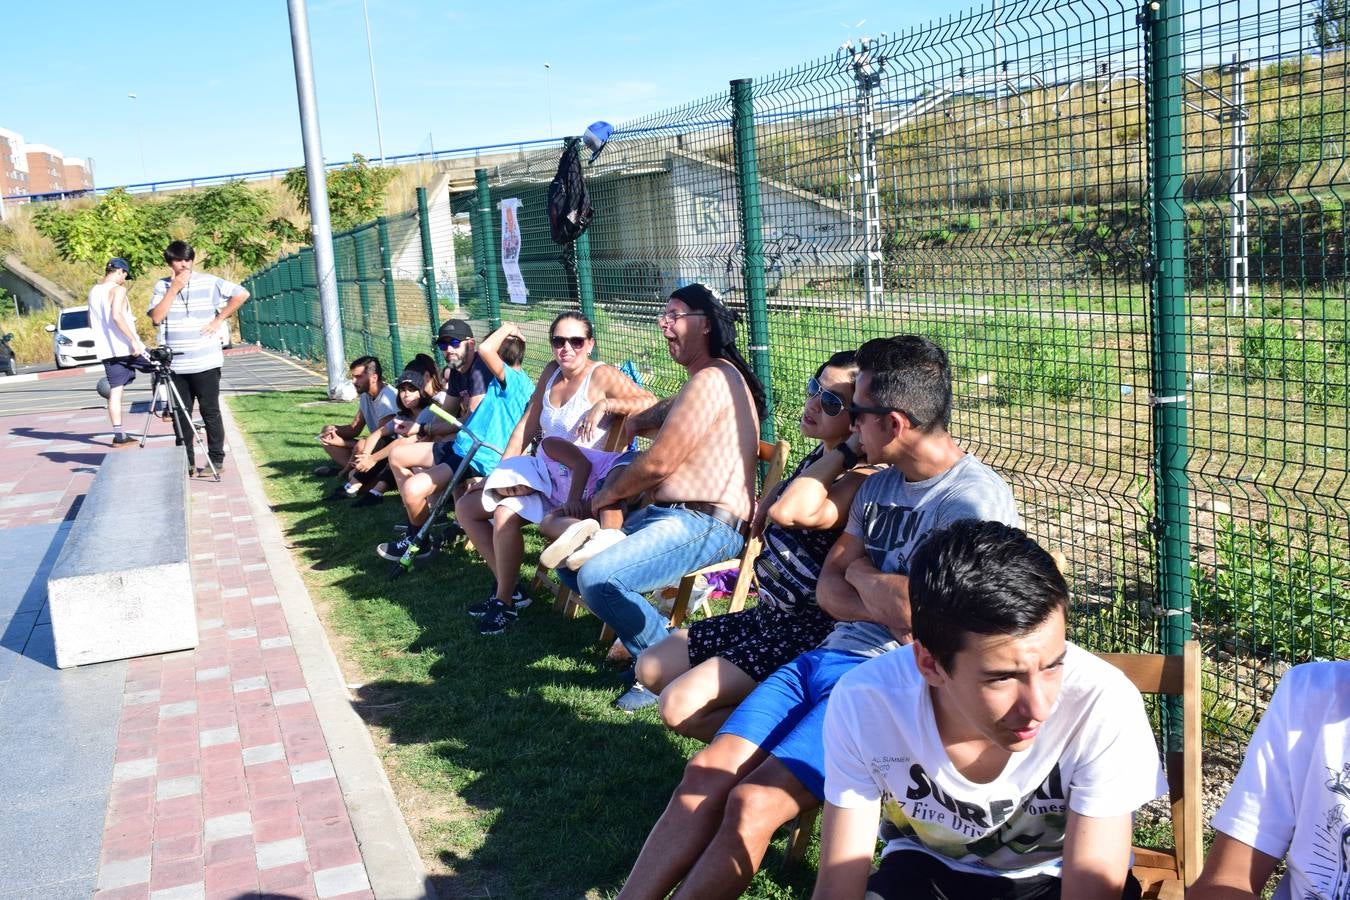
x=46 y=169
x=13 y=164
x=78 y=174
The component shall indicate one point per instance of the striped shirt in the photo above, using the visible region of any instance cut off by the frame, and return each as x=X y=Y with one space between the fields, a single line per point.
x=194 y=307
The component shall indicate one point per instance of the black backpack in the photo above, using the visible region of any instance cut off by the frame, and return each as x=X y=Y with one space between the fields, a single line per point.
x=569 y=206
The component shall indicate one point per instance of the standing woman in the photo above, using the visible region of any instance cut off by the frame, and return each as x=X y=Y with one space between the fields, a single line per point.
x=573 y=399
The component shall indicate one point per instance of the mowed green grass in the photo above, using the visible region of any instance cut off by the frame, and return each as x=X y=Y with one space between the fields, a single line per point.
x=517 y=775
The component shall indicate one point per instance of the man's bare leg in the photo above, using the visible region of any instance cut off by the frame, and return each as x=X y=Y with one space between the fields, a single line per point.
x=662 y=663
x=698 y=702
x=765 y=799
x=115 y=408
x=691 y=818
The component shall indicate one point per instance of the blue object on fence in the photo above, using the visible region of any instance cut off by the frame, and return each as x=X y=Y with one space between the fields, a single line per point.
x=596 y=136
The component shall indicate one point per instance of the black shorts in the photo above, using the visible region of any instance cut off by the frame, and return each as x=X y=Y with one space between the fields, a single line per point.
x=758 y=640
x=119 y=371
x=443 y=454
x=915 y=875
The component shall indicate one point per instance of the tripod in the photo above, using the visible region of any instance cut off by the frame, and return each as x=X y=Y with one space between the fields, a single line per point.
x=161 y=376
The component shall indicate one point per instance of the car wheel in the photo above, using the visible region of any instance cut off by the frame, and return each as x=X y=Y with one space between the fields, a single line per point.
x=13 y=368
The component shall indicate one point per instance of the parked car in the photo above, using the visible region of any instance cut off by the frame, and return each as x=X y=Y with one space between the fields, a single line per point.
x=73 y=339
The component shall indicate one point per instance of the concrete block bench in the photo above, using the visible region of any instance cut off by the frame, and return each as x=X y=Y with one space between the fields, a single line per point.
x=121 y=586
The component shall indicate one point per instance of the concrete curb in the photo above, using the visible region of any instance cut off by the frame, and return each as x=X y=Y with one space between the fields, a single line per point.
x=392 y=863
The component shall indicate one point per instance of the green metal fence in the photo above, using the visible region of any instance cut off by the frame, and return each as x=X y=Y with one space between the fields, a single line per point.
x=1123 y=223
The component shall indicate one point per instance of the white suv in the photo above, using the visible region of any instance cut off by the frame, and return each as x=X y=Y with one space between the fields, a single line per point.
x=73 y=341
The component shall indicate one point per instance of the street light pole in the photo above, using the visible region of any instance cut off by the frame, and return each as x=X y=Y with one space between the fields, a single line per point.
x=374 y=87
x=140 y=141
x=548 y=96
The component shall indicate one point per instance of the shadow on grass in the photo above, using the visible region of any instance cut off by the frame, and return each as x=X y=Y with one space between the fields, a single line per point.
x=527 y=782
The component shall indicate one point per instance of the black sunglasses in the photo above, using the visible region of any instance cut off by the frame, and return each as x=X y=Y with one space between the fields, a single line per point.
x=451 y=344
x=854 y=410
x=831 y=404
x=558 y=342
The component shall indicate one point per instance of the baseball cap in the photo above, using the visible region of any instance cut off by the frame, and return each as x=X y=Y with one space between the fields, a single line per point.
x=117 y=262
x=412 y=376
x=454 y=330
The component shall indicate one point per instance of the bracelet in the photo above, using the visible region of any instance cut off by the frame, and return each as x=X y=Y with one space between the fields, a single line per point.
x=850 y=458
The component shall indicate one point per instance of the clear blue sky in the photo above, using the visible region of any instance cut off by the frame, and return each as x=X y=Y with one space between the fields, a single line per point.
x=216 y=89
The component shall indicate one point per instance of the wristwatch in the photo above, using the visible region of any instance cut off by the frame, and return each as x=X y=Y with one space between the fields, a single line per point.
x=850 y=458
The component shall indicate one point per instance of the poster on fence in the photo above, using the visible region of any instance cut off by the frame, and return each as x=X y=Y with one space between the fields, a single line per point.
x=515 y=284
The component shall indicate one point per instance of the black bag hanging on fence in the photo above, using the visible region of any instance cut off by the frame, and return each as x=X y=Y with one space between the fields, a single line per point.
x=569 y=206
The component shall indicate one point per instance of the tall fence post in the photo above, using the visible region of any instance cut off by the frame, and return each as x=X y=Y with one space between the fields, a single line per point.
x=362 y=287
x=428 y=261
x=1162 y=21
x=390 y=296
x=488 y=263
x=586 y=282
x=752 y=239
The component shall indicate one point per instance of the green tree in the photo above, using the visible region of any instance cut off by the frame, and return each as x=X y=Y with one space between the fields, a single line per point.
x=1331 y=23
x=355 y=192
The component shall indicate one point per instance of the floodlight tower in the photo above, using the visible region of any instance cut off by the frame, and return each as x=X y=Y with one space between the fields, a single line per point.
x=866 y=63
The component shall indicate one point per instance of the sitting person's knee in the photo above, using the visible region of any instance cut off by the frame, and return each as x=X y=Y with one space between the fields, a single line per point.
x=679 y=704
x=759 y=808
x=706 y=773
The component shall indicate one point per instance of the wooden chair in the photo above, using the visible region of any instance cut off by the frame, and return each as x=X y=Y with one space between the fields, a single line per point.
x=564 y=600
x=775 y=456
x=1164 y=874
x=1167 y=873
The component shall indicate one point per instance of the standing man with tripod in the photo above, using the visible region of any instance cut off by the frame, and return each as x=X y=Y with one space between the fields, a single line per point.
x=190 y=308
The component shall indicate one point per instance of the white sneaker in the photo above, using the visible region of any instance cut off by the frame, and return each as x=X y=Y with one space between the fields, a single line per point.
x=573 y=537
x=601 y=541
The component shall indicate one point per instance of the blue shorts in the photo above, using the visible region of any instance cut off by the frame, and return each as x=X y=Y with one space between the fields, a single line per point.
x=786 y=714
x=119 y=371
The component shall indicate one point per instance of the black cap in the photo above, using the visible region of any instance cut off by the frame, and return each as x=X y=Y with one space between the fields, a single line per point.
x=411 y=376
x=454 y=330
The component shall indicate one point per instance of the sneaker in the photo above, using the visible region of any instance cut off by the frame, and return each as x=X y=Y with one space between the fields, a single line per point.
x=338 y=493
x=601 y=541
x=567 y=543
x=635 y=698
x=370 y=500
x=394 y=550
x=498 y=618
x=220 y=466
x=326 y=472
x=518 y=602
x=123 y=440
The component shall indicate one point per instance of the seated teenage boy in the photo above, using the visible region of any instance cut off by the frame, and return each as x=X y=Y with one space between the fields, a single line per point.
x=422 y=470
x=1003 y=760
x=1291 y=798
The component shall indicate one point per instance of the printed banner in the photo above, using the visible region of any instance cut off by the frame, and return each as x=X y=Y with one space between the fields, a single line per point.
x=515 y=284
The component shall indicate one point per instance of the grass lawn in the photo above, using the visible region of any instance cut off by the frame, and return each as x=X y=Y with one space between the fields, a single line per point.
x=516 y=775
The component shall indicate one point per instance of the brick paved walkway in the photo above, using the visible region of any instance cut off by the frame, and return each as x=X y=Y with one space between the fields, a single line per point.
x=222 y=783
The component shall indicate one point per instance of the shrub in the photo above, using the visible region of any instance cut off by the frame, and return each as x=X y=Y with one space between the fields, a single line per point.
x=1274 y=590
x=1275 y=351
x=1034 y=358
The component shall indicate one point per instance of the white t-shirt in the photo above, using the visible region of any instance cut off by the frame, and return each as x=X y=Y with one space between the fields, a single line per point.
x=373 y=409
x=195 y=306
x=1291 y=798
x=1095 y=754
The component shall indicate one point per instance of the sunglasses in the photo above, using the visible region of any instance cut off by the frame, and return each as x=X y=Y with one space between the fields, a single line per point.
x=452 y=344
x=830 y=403
x=558 y=342
x=854 y=410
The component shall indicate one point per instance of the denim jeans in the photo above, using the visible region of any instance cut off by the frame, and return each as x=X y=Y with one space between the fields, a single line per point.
x=662 y=545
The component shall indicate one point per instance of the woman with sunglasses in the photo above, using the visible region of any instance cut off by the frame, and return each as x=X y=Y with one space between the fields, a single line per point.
x=574 y=399
x=703 y=672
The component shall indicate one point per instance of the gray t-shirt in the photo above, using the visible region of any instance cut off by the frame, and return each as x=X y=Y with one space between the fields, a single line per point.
x=892 y=516
x=373 y=409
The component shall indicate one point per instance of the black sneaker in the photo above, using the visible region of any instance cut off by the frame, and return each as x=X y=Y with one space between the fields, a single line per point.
x=394 y=550
x=220 y=466
x=518 y=602
x=326 y=472
x=499 y=617
x=123 y=440
x=369 y=500
x=338 y=493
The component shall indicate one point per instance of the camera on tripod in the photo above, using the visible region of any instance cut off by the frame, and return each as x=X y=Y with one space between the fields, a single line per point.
x=160 y=356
